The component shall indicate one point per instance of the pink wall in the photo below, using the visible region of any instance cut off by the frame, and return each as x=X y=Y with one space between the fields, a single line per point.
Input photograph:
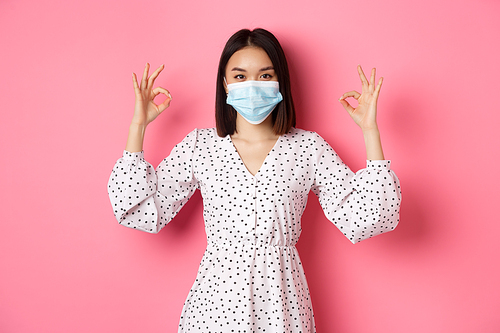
x=67 y=98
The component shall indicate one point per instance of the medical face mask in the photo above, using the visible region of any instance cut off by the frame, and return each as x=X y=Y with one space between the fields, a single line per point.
x=254 y=100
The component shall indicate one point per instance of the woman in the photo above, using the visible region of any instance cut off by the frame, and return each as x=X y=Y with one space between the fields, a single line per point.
x=254 y=172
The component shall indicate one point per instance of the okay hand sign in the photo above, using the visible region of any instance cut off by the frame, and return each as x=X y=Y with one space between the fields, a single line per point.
x=365 y=114
x=146 y=110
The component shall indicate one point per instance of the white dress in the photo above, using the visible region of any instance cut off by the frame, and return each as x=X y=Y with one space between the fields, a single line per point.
x=250 y=278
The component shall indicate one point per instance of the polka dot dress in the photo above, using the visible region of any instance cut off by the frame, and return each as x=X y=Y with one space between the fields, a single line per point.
x=250 y=278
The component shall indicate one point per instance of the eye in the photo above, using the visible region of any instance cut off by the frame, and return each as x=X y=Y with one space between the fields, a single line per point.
x=266 y=76
x=239 y=77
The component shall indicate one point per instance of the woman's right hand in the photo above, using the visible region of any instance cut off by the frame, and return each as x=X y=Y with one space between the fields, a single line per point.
x=146 y=110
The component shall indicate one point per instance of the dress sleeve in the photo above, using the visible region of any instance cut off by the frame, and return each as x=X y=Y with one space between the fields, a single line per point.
x=362 y=204
x=145 y=199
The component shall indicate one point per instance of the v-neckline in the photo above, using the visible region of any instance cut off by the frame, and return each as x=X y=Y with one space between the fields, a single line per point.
x=263 y=162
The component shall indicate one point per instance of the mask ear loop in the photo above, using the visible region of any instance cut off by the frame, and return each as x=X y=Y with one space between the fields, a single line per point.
x=225 y=86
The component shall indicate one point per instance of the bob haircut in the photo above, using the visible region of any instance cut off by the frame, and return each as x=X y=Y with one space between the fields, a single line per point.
x=283 y=115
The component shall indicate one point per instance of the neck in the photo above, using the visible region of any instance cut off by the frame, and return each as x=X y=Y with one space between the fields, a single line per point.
x=251 y=132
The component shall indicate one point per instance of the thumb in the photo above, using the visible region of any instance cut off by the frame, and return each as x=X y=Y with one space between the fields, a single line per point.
x=346 y=106
x=166 y=103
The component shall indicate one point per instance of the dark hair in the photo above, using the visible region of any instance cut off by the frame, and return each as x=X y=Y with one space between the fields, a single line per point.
x=284 y=114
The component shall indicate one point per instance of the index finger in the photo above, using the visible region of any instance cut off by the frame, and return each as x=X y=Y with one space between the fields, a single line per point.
x=153 y=76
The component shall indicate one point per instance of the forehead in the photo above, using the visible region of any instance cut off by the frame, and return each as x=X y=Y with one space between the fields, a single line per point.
x=248 y=58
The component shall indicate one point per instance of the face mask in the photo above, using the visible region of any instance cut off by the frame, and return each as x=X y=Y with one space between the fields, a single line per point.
x=254 y=100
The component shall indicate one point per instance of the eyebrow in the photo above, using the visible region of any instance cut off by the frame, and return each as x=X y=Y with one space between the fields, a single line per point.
x=261 y=70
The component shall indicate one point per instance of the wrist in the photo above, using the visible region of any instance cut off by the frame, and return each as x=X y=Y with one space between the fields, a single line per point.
x=135 y=137
x=373 y=144
x=371 y=131
x=137 y=127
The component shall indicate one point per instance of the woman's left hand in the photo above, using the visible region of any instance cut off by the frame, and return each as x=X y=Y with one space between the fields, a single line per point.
x=365 y=114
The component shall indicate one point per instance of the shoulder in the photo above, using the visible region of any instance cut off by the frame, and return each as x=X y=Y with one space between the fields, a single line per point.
x=201 y=133
x=206 y=131
x=204 y=138
x=311 y=141
x=208 y=134
x=300 y=135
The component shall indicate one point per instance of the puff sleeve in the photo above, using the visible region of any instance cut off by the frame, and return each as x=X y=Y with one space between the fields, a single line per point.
x=145 y=199
x=362 y=204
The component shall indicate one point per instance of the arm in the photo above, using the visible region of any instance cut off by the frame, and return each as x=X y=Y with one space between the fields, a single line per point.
x=365 y=114
x=132 y=186
x=364 y=204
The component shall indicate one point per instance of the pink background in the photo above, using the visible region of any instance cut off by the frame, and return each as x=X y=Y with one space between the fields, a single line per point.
x=67 y=99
